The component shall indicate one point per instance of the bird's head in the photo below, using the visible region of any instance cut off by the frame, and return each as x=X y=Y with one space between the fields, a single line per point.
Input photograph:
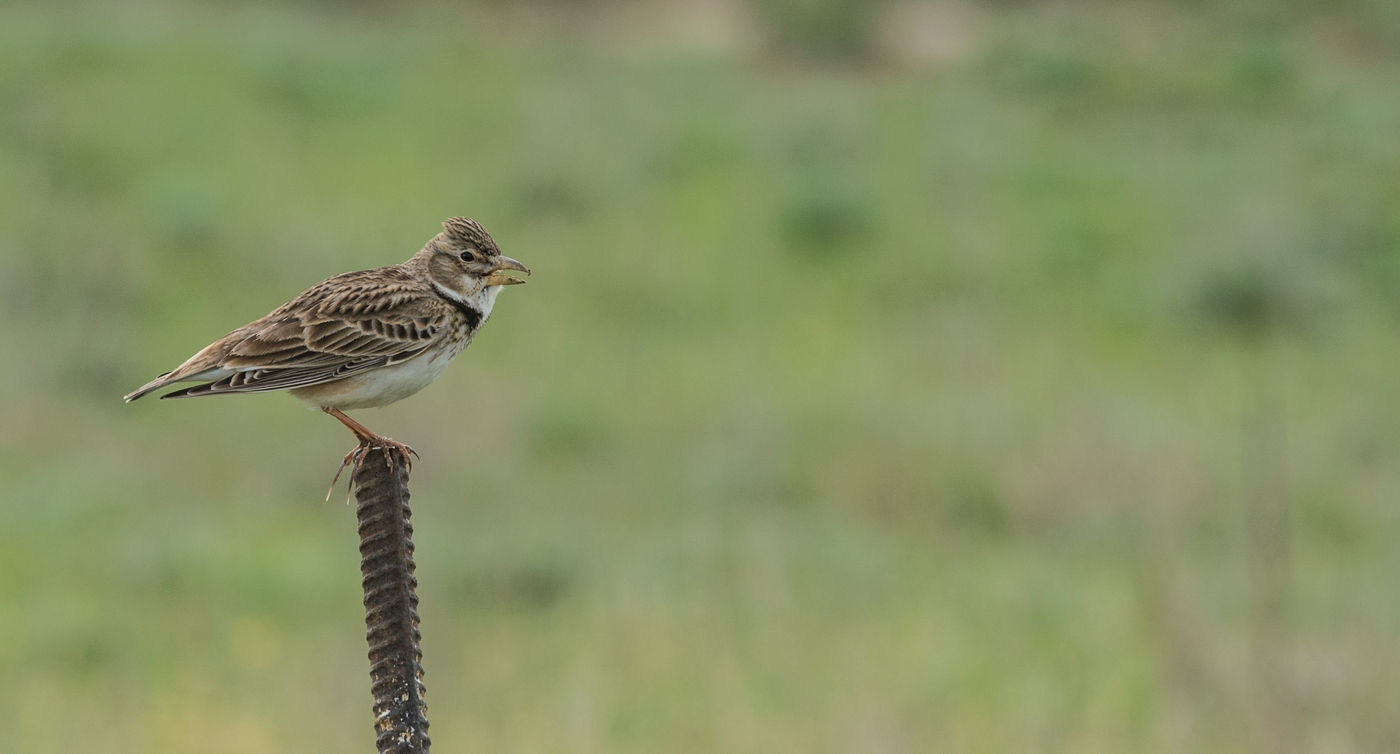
x=465 y=259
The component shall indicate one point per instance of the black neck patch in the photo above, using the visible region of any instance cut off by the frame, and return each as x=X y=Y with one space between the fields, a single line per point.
x=472 y=314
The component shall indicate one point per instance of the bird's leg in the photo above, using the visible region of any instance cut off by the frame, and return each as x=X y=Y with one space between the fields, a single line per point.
x=368 y=441
x=362 y=433
x=368 y=437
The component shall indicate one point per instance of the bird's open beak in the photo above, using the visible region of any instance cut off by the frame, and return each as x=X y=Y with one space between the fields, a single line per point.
x=497 y=277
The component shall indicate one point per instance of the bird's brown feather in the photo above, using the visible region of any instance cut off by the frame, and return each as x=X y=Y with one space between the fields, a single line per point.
x=339 y=327
x=359 y=322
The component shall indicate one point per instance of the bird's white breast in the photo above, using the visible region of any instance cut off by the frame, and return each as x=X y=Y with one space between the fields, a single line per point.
x=382 y=386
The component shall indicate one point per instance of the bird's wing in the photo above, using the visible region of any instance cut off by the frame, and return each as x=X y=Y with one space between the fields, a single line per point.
x=346 y=325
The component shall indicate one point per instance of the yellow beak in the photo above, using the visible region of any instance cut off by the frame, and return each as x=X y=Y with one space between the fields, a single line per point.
x=497 y=277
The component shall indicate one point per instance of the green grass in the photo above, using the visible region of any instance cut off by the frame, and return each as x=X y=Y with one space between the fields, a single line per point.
x=1037 y=397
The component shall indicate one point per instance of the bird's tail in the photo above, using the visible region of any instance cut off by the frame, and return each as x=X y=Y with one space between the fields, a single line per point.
x=153 y=385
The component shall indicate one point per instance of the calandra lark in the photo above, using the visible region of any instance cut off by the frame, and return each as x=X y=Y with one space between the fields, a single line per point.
x=360 y=339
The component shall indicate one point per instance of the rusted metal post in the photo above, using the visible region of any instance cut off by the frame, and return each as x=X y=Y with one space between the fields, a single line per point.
x=391 y=600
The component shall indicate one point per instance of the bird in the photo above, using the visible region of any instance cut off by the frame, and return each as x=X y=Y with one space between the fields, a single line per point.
x=360 y=339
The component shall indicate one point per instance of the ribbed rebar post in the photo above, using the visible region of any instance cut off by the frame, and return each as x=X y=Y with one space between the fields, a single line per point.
x=391 y=600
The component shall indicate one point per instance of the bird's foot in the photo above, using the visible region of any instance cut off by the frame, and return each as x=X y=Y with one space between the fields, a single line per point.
x=368 y=441
x=385 y=444
x=356 y=456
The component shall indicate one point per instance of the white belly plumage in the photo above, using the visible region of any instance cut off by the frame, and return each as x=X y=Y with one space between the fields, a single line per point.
x=382 y=386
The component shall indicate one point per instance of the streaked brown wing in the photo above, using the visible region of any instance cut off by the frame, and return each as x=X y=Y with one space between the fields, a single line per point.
x=266 y=380
x=346 y=325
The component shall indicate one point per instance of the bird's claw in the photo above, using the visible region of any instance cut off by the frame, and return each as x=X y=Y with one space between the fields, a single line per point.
x=357 y=454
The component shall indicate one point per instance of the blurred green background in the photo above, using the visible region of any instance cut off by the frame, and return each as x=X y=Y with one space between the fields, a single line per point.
x=895 y=376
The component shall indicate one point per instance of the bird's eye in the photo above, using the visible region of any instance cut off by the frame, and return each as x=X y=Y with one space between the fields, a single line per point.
x=467 y=256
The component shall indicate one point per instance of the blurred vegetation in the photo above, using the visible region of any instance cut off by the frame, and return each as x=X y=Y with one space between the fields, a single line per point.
x=950 y=376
